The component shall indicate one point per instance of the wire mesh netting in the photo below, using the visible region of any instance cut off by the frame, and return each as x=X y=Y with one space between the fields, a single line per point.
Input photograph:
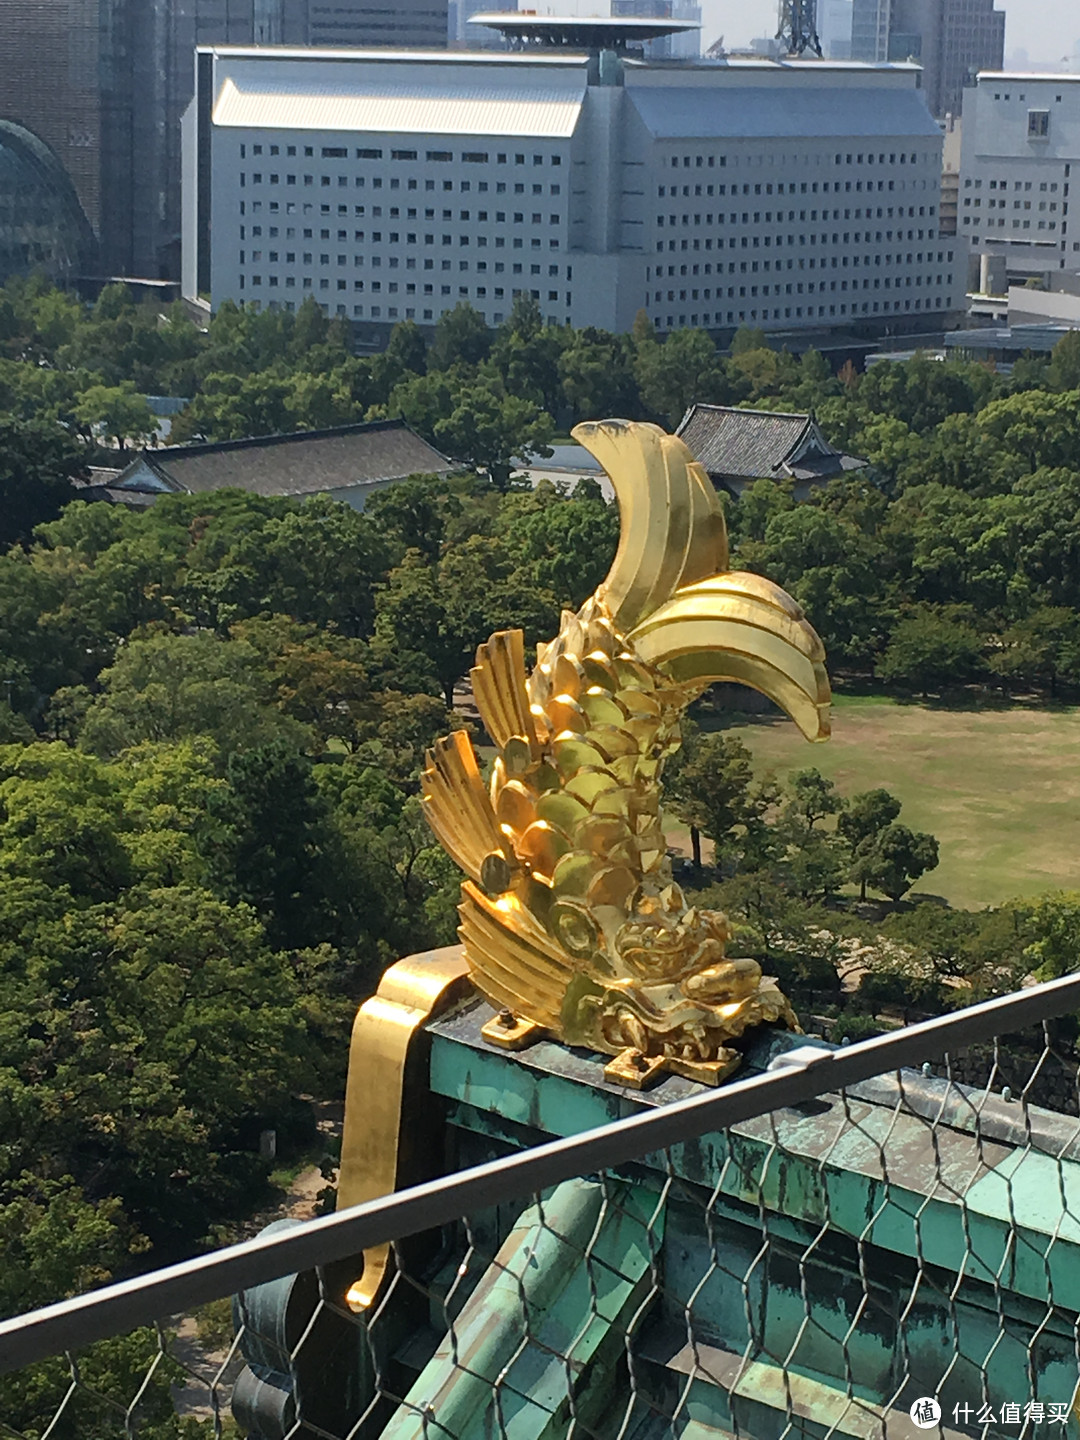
x=903 y=1255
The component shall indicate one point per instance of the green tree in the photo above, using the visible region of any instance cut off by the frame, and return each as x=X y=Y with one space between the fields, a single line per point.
x=684 y=369
x=893 y=859
x=37 y=463
x=810 y=858
x=461 y=337
x=489 y=429
x=408 y=347
x=1042 y=647
x=413 y=514
x=831 y=566
x=1064 y=371
x=1049 y=929
x=170 y=687
x=709 y=786
x=597 y=375
x=747 y=338
x=1038 y=427
x=933 y=649
x=416 y=613
x=865 y=817
x=119 y=412
x=563 y=545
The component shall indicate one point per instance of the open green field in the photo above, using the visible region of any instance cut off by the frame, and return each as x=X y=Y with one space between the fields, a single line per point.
x=999 y=788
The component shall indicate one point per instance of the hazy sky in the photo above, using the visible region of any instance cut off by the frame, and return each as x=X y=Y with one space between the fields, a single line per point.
x=1047 y=29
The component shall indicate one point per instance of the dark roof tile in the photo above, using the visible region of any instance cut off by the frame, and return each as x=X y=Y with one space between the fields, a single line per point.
x=305 y=463
x=761 y=444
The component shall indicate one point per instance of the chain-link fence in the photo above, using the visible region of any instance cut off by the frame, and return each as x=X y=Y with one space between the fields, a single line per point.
x=854 y=1243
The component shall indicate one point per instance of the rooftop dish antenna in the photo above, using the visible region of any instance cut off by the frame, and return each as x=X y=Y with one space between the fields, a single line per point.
x=797 y=31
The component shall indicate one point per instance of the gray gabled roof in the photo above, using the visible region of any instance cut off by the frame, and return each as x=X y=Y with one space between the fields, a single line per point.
x=305 y=463
x=761 y=445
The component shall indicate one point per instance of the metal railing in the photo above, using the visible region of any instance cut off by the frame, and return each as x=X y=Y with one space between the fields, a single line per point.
x=764 y=1259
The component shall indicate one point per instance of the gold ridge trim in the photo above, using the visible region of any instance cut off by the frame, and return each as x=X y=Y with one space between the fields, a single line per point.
x=387 y=1086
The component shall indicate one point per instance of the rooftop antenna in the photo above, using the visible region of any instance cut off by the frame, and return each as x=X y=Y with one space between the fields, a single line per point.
x=798 y=27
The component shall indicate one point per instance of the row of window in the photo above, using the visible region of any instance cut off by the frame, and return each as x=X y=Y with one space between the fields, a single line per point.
x=393 y=287
x=706 y=318
x=1043 y=205
x=686 y=162
x=498 y=242
x=393 y=262
x=741 y=317
x=410 y=214
x=975 y=220
x=754 y=267
x=781 y=217
x=803 y=187
x=341 y=152
x=747 y=242
x=393 y=313
x=934 y=282
x=1026 y=185
x=307 y=281
x=464 y=187
x=999 y=95
x=461 y=242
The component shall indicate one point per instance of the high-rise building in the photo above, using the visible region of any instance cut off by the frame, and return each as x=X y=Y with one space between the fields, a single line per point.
x=684 y=44
x=951 y=39
x=795 y=195
x=1019 y=154
x=103 y=83
x=870 y=30
x=834 y=28
x=54 y=83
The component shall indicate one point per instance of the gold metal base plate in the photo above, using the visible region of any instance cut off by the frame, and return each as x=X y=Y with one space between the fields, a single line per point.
x=633 y=1069
x=510 y=1032
x=705 y=1072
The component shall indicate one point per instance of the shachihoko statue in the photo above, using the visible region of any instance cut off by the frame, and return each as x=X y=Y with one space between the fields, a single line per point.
x=571 y=921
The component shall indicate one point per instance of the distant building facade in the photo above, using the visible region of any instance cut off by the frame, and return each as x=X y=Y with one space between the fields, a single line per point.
x=43 y=226
x=951 y=39
x=795 y=196
x=685 y=45
x=1020 y=155
x=835 y=19
x=104 y=83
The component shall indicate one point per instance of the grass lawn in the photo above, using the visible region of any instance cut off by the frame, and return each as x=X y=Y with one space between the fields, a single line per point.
x=999 y=788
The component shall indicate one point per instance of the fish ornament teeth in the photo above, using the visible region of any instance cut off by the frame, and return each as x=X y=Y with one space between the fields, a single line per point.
x=571 y=921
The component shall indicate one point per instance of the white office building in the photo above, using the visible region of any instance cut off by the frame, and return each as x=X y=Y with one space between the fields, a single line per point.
x=1020 y=152
x=792 y=195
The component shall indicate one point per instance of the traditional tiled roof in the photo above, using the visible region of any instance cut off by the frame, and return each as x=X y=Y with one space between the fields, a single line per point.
x=306 y=463
x=761 y=445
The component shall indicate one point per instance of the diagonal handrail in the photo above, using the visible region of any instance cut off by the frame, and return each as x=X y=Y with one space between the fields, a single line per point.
x=115 y=1309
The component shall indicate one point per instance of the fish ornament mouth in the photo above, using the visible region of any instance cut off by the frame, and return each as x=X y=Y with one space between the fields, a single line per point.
x=572 y=924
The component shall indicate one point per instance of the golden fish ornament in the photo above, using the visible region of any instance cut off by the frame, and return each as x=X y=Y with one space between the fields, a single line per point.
x=572 y=923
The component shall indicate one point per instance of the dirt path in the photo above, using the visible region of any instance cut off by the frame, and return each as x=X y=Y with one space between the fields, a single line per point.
x=211 y=1368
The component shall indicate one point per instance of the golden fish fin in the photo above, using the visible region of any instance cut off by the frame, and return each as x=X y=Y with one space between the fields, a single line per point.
x=498 y=681
x=513 y=961
x=739 y=627
x=671 y=525
x=456 y=803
